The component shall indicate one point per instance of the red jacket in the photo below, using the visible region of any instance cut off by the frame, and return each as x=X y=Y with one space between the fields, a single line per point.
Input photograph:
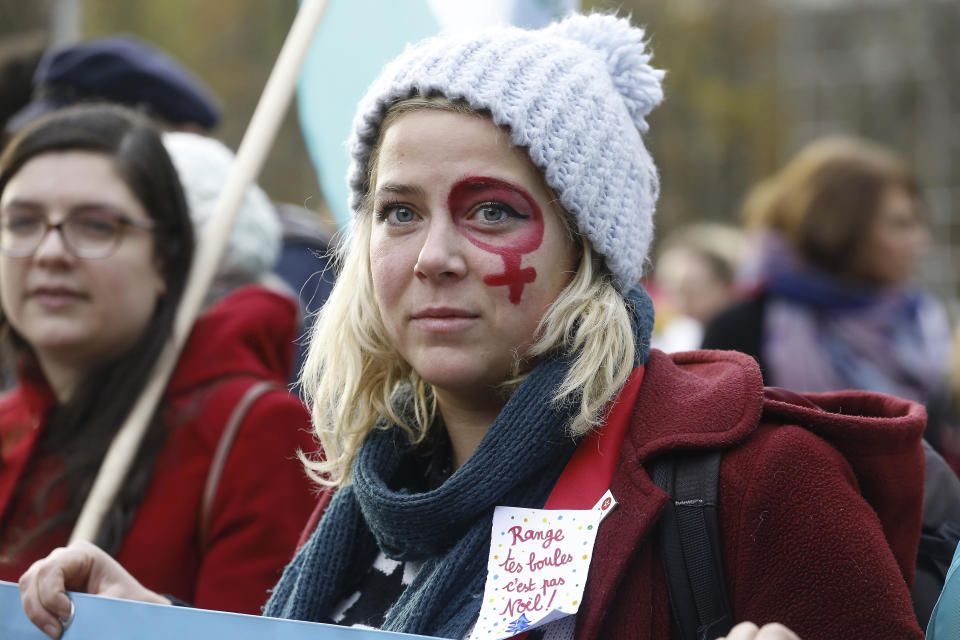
x=263 y=496
x=800 y=544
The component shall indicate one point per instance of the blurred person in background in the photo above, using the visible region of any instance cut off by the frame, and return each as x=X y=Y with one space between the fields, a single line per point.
x=203 y=164
x=37 y=80
x=694 y=278
x=95 y=247
x=282 y=247
x=122 y=70
x=838 y=233
x=125 y=70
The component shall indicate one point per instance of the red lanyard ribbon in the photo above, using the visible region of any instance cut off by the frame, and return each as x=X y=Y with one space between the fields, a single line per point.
x=588 y=474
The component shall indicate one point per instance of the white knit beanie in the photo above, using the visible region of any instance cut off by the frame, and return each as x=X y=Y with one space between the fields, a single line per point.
x=203 y=164
x=574 y=95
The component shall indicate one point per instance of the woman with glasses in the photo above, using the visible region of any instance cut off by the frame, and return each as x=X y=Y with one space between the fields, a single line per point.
x=95 y=246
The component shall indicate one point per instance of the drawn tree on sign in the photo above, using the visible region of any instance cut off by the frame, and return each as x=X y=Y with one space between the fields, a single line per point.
x=518 y=625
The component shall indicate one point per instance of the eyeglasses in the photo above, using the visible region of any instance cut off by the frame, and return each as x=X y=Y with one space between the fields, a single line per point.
x=91 y=233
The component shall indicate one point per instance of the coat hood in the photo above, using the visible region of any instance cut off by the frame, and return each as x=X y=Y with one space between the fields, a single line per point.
x=715 y=399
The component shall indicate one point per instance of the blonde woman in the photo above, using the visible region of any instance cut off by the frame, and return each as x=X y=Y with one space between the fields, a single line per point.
x=486 y=330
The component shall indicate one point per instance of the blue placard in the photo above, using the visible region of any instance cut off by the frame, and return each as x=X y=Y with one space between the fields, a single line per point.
x=99 y=618
x=945 y=619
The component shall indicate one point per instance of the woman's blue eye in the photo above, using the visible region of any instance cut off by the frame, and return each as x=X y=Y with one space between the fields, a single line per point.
x=496 y=212
x=493 y=214
x=395 y=214
x=401 y=214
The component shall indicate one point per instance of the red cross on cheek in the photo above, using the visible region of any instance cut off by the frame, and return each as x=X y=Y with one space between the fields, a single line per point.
x=513 y=276
x=525 y=240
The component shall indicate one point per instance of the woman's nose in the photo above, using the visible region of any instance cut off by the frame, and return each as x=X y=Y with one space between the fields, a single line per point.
x=441 y=255
x=52 y=247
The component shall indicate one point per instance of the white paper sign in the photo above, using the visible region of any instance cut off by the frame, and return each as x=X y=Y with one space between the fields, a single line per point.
x=538 y=566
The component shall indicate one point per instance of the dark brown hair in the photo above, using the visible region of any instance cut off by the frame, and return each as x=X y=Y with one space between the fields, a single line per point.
x=80 y=430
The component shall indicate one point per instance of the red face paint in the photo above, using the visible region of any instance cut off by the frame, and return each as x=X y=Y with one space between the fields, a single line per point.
x=513 y=244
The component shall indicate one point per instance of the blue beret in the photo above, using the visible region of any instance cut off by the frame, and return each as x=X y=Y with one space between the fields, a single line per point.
x=124 y=70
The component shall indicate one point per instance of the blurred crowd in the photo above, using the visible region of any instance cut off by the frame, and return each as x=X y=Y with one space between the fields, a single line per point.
x=820 y=284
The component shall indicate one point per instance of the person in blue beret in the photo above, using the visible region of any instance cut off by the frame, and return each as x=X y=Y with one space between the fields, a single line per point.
x=125 y=70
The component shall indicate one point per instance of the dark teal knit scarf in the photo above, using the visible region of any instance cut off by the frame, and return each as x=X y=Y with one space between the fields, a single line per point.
x=447 y=529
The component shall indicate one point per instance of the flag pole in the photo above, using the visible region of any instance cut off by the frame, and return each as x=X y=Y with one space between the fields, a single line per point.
x=250 y=158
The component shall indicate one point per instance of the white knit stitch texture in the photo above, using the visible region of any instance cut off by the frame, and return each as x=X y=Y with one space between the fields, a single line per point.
x=574 y=94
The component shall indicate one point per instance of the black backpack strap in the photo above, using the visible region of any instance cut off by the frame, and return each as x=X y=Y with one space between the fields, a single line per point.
x=690 y=544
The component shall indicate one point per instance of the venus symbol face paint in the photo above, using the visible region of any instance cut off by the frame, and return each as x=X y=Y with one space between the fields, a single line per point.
x=519 y=232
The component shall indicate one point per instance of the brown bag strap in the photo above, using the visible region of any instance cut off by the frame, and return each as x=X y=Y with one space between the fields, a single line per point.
x=227 y=437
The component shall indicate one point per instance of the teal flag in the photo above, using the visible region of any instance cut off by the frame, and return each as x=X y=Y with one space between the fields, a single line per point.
x=355 y=40
x=945 y=619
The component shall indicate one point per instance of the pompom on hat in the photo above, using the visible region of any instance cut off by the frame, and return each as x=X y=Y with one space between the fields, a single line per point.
x=575 y=95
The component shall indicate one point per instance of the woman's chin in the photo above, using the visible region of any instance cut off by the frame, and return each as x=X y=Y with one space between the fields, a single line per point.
x=462 y=381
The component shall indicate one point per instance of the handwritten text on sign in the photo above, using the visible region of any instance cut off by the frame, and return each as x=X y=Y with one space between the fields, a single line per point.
x=537 y=568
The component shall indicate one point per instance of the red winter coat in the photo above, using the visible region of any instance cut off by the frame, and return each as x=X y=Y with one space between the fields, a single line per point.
x=263 y=496
x=800 y=544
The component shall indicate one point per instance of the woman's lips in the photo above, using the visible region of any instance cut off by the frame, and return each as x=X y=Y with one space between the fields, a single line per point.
x=55 y=297
x=443 y=319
